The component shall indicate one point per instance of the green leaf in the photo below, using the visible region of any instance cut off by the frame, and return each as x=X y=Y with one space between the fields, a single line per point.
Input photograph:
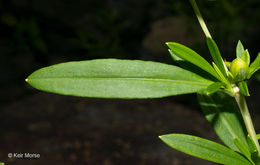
x=225 y=118
x=191 y=67
x=246 y=57
x=254 y=66
x=191 y=56
x=243 y=149
x=214 y=87
x=252 y=145
x=111 y=78
x=240 y=49
x=243 y=88
x=222 y=77
x=174 y=56
x=258 y=136
x=253 y=149
x=204 y=149
x=214 y=51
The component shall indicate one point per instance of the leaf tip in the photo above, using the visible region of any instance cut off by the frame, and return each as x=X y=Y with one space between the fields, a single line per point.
x=26 y=80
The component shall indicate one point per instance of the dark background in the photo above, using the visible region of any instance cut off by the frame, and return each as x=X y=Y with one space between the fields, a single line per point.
x=67 y=130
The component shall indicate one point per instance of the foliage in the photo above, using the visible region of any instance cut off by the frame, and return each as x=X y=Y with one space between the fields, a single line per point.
x=216 y=85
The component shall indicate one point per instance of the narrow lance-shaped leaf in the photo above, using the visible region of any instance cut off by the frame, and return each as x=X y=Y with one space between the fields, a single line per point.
x=246 y=57
x=254 y=66
x=191 y=56
x=239 y=49
x=204 y=149
x=111 y=78
x=191 y=67
x=243 y=88
x=222 y=77
x=253 y=149
x=214 y=51
x=251 y=144
x=223 y=115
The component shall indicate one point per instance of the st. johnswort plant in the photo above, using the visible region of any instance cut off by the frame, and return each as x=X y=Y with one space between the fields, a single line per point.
x=221 y=89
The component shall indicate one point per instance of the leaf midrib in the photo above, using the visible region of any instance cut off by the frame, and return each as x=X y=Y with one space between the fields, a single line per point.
x=127 y=78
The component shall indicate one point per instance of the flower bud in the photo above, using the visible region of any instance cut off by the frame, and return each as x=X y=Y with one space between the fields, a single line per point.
x=239 y=69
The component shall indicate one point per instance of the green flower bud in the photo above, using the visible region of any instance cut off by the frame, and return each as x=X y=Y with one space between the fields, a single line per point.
x=239 y=69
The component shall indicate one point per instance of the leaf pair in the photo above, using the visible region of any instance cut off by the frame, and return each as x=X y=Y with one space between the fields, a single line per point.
x=189 y=59
x=244 y=54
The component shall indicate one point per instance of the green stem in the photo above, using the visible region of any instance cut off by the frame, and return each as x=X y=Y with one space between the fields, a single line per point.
x=240 y=99
x=200 y=19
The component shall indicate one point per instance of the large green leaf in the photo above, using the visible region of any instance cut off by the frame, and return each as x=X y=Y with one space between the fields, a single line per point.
x=223 y=115
x=111 y=78
x=214 y=51
x=204 y=149
x=191 y=56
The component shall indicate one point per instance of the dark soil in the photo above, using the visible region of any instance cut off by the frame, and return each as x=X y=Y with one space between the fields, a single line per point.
x=67 y=130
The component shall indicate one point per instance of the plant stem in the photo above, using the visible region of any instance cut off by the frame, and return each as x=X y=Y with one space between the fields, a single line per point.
x=241 y=101
x=200 y=19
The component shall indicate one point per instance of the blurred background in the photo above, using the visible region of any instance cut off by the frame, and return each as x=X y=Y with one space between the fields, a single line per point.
x=67 y=130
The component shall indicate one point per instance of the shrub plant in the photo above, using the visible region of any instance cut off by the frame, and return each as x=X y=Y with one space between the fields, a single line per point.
x=221 y=90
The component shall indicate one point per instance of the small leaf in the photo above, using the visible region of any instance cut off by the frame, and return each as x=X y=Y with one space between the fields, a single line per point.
x=214 y=87
x=240 y=49
x=251 y=145
x=243 y=88
x=258 y=136
x=254 y=66
x=243 y=149
x=222 y=77
x=214 y=51
x=204 y=149
x=191 y=56
x=253 y=149
x=246 y=57
x=111 y=78
x=225 y=118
